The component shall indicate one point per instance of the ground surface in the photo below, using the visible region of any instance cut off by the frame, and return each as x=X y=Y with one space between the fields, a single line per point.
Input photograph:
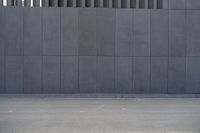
x=65 y=115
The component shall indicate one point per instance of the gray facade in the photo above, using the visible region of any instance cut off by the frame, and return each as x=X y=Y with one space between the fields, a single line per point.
x=101 y=50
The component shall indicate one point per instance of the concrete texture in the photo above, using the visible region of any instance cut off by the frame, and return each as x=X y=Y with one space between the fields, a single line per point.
x=58 y=115
x=87 y=32
x=192 y=75
x=176 y=75
x=177 y=4
x=106 y=32
x=124 y=21
x=13 y=35
x=100 y=50
x=51 y=74
x=69 y=31
x=177 y=33
x=69 y=74
x=193 y=20
x=159 y=33
x=141 y=74
x=123 y=75
x=14 y=74
x=32 y=31
x=105 y=74
x=193 y=4
x=87 y=74
x=159 y=75
x=2 y=45
x=32 y=74
x=2 y=74
x=141 y=32
x=51 y=31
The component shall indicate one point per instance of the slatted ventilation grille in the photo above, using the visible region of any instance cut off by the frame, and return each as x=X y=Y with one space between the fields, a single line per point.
x=151 y=4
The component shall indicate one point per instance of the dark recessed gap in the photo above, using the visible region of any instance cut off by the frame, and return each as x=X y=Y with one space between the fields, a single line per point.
x=133 y=4
x=43 y=3
x=61 y=3
x=19 y=2
x=51 y=3
x=12 y=3
x=15 y=2
x=70 y=3
x=35 y=2
x=159 y=4
x=106 y=3
x=97 y=3
x=124 y=3
x=78 y=3
x=114 y=4
x=150 y=4
x=87 y=3
x=142 y=4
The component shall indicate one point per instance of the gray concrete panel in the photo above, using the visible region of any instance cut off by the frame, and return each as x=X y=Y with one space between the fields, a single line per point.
x=192 y=75
x=13 y=34
x=193 y=4
x=119 y=3
x=141 y=33
x=83 y=3
x=141 y=74
x=32 y=31
x=106 y=32
x=69 y=31
x=87 y=31
x=123 y=32
x=51 y=74
x=87 y=74
x=177 y=33
x=32 y=74
x=51 y=31
x=177 y=4
x=74 y=3
x=176 y=75
x=165 y=4
x=155 y=4
x=123 y=75
x=2 y=74
x=159 y=32
x=14 y=74
x=69 y=74
x=2 y=45
x=105 y=74
x=158 y=75
x=193 y=33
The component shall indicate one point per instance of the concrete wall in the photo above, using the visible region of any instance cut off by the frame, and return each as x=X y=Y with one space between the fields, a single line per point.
x=96 y=50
